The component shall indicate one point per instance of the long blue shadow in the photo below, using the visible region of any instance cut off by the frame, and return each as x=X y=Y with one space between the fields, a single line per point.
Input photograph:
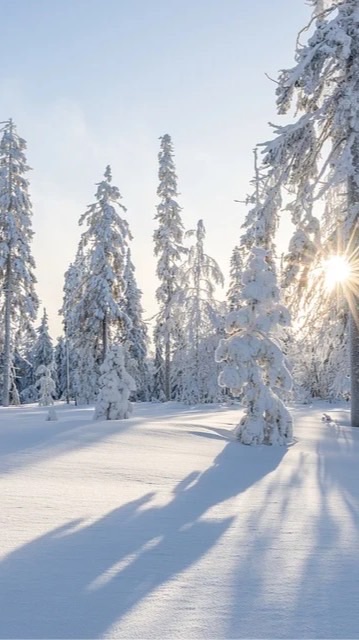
x=56 y=586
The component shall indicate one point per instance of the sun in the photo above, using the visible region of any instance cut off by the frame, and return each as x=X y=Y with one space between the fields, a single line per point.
x=337 y=271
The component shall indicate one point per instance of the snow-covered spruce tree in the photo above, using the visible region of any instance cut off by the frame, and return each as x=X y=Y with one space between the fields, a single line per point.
x=255 y=365
x=323 y=87
x=43 y=351
x=135 y=338
x=199 y=314
x=17 y=280
x=115 y=387
x=235 y=278
x=41 y=354
x=95 y=287
x=168 y=241
x=104 y=243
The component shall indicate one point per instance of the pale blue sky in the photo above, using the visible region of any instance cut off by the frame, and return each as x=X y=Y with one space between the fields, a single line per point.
x=92 y=82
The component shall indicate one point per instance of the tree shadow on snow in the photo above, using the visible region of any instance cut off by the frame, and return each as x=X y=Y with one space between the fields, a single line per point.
x=299 y=571
x=77 y=580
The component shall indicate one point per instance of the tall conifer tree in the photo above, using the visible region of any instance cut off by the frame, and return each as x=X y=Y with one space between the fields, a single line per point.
x=17 y=280
x=319 y=152
x=168 y=240
x=95 y=287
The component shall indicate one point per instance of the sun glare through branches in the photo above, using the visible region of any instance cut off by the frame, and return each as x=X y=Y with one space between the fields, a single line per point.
x=341 y=272
x=337 y=271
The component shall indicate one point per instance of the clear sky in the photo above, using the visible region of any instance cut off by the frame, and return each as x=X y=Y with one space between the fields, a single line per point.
x=96 y=82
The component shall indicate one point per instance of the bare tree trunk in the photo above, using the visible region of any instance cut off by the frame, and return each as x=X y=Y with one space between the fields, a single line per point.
x=168 y=368
x=168 y=313
x=104 y=336
x=8 y=304
x=67 y=367
x=353 y=204
x=197 y=321
x=354 y=367
x=7 y=337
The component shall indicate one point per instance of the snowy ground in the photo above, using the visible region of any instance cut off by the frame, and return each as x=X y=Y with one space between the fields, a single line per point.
x=162 y=526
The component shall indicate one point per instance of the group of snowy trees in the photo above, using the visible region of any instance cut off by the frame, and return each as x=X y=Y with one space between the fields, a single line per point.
x=102 y=302
x=190 y=318
x=311 y=164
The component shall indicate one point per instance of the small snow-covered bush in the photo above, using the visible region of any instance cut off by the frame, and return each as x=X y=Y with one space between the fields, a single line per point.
x=46 y=385
x=51 y=415
x=116 y=386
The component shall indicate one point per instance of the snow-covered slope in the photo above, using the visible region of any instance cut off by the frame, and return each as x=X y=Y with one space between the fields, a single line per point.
x=163 y=526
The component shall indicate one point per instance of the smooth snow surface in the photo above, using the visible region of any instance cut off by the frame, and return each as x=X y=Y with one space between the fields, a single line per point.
x=163 y=526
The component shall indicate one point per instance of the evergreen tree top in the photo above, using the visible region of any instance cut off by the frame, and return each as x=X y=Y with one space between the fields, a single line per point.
x=167 y=188
x=13 y=147
x=106 y=192
x=103 y=219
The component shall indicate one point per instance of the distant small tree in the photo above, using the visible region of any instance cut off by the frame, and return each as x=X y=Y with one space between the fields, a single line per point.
x=115 y=387
x=40 y=354
x=46 y=385
x=235 y=279
x=43 y=351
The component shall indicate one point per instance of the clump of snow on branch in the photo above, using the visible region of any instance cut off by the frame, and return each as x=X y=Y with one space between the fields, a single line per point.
x=254 y=363
x=116 y=386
